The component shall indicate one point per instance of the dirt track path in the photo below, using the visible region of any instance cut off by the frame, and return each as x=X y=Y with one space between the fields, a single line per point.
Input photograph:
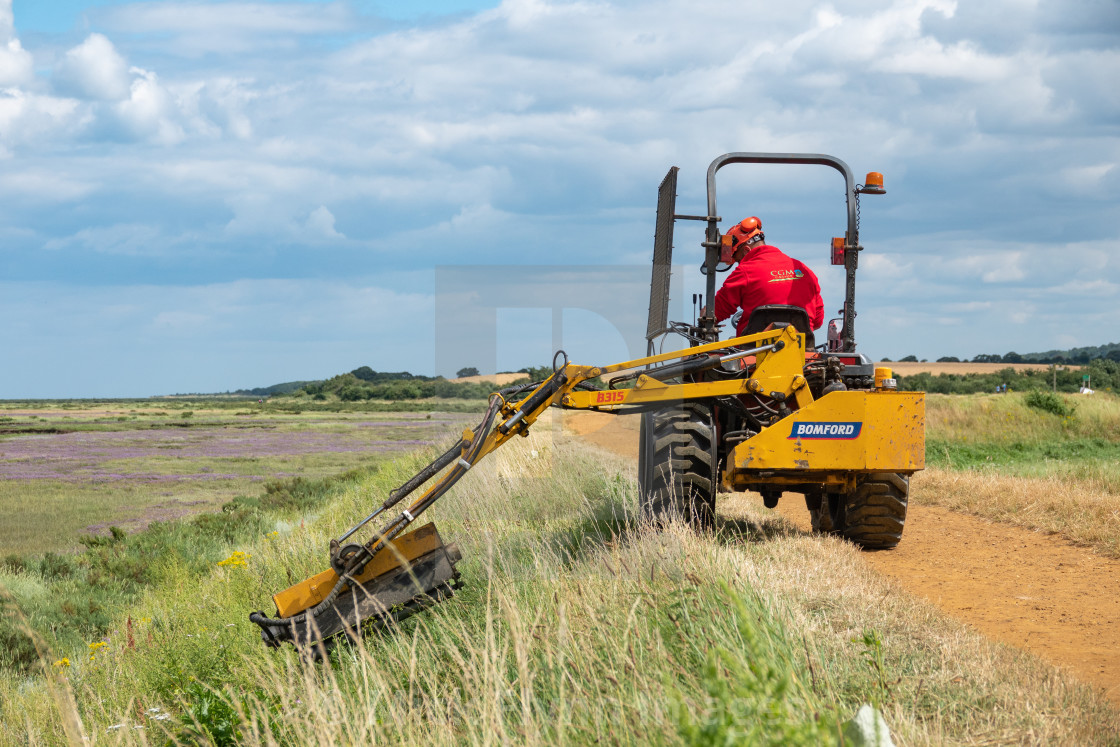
x=1026 y=589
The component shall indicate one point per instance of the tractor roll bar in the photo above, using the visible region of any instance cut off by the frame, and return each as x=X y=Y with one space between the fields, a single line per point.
x=851 y=239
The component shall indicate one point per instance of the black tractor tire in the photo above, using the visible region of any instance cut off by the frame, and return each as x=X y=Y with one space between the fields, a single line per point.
x=874 y=515
x=677 y=463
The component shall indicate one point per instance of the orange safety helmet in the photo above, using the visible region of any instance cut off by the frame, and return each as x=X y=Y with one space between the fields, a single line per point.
x=748 y=230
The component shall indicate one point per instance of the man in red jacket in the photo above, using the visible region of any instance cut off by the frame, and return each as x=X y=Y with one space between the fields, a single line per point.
x=765 y=276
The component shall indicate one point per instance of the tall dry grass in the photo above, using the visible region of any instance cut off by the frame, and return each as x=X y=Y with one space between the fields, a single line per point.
x=1083 y=511
x=993 y=456
x=577 y=625
x=1006 y=417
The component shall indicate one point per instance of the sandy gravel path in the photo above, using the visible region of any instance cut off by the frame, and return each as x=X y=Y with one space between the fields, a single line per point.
x=1020 y=587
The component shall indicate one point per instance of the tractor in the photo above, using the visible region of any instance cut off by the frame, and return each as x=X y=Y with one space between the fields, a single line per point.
x=849 y=448
x=768 y=411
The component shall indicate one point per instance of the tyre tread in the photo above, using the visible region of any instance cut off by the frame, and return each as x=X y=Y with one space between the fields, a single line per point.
x=681 y=465
x=874 y=515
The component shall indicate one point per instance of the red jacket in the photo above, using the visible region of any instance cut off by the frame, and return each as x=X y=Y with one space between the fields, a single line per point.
x=767 y=276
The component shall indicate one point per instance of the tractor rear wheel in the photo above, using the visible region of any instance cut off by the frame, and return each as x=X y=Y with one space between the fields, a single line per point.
x=874 y=515
x=677 y=465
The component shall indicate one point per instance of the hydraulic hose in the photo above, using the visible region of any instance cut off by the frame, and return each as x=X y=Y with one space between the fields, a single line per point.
x=537 y=399
x=694 y=365
x=416 y=481
x=427 y=473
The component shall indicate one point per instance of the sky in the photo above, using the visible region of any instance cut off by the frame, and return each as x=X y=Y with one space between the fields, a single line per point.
x=206 y=195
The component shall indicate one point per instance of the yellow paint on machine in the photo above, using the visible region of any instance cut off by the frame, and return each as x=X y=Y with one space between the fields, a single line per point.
x=314 y=590
x=891 y=437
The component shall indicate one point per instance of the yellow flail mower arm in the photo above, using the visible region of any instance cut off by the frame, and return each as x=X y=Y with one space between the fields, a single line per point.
x=396 y=573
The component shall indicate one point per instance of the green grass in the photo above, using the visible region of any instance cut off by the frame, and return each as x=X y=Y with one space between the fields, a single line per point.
x=576 y=625
x=1092 y=459
x=1004 y=434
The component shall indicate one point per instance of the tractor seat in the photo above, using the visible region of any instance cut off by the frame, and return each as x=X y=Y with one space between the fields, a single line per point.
x=781 y=315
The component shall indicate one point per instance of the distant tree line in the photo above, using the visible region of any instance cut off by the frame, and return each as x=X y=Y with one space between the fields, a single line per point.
x=365 y=373
x=1104 y=376
x=1072 y=357
x=364 y=383
x=350 y=388
x=274 y=390
x=1078 y=357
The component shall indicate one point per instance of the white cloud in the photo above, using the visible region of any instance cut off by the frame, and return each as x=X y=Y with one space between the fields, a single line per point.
x=16 y=67
x=1097 y=288
x=150 y=112
x=321 y=223
x=15 y=63
x=885 y=267
x=1005 y=268
x=94 y=70
x=40 y=186
x=34 y=120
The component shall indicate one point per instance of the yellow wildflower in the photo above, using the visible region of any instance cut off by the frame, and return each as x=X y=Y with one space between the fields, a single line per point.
x=236 y=559
x=63 y=662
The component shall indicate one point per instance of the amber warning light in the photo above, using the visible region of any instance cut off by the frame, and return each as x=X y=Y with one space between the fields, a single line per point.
x=872 y=184
x=837 y=250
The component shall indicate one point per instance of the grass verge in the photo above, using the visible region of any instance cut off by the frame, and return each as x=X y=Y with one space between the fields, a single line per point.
x=71 y=600
x=576 y=624
x=1053 y=466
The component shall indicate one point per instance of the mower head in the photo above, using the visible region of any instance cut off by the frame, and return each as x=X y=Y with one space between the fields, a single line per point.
x=413 y=571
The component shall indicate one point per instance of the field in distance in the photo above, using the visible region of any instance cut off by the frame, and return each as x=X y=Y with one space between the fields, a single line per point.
x=909 y=367
x=500 y=379
x=71 y=468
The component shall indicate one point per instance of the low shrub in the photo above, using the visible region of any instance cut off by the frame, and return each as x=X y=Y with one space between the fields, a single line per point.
x=53 y=565
x=1050 y=402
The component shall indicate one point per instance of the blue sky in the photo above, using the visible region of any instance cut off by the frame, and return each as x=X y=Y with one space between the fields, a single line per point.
x=200 y=196
x=61 y=16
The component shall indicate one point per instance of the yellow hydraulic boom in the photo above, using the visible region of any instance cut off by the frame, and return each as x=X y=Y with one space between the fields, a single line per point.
x=395 y=573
